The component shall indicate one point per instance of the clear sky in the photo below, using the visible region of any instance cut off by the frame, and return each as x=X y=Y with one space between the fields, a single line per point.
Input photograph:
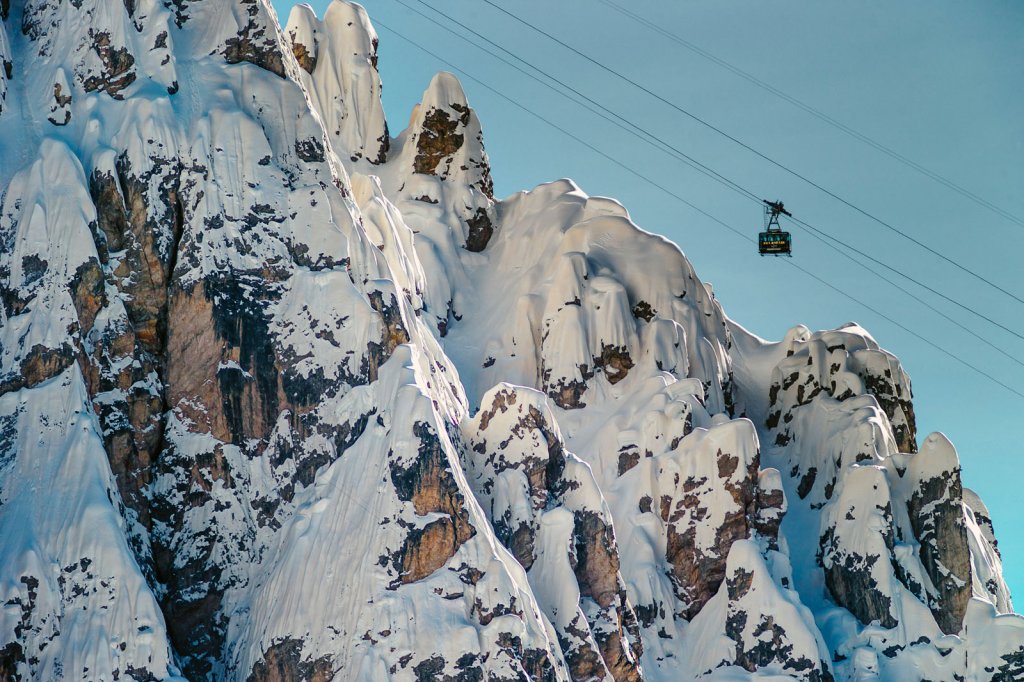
x=940 y=82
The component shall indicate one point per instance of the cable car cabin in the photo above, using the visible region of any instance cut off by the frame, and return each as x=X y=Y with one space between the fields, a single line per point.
x=774 y=243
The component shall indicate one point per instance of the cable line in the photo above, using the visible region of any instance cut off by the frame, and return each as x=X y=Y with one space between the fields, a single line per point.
x=909 y=331
x=716 y=220
x=664 y=146
x=759 y=154
x=616 y=119
x=920 y=300
x=817 y=113
x=906 y=276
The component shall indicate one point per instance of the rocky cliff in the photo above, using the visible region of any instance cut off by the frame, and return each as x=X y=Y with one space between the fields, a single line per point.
x=283 y=397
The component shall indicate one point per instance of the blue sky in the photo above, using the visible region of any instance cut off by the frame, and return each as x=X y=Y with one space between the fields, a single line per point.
x=937 y=81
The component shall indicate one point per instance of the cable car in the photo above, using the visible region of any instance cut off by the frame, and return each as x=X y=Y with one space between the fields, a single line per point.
x=774 y=241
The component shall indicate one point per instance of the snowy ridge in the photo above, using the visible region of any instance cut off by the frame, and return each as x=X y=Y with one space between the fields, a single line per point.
x=338 y=57
x=70 y=573
x=312 y=404
x=218 y=222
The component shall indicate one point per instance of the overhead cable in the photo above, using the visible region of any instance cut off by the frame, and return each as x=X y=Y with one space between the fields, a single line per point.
x=716 y=220
x=759 y=154
x=817 y=113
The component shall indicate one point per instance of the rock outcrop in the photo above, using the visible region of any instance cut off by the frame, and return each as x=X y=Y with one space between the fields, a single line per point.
x=857 y=545
x=441 y=161
x=6 y=65
x=71 y=563
x=547 y=509
x=781 y=637
x=842 y=363
x=937 y=516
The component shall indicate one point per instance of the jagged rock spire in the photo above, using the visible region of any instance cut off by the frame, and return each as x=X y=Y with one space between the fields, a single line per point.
x=338 y=57
x=443 y=162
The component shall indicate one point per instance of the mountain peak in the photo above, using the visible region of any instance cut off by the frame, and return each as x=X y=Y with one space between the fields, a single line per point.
x=338 y=57
x=311 y=403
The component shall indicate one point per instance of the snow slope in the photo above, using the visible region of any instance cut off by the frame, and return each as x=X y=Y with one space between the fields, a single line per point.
x=285 y=397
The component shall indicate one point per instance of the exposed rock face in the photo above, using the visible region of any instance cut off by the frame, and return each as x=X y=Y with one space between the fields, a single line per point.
x=94 y=47
x=430 y=486
x=857 y=545
x=60 y=563
x=222 y=303
x=540 y=500
x=256 y=41
x=770 y=505
x=439 y=139
x=885 y=379
x=6 y=65
x=936 y=514
x=116 y=62
x=214 y=361
x=895 y=523
x=282 y=663
x=842 y=363
x=693 y=504
x=987 y=572
x=444 y=152
x=238 y=376
x=780 y=638
x=60 y=110
x=138 y=223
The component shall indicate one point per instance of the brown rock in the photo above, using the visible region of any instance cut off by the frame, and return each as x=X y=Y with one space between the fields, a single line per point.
x=255 y=43
x=60 y=104
x=42 y=363
x=305 y=58
x=855 y=548
x=283 y=662
x=117 y=63
x=429 y=484
x=597 y=573
x=698 y=575
x=438 y=139
x=594 y=555
x=937 y=517
x=194 y=353
x=394 y=334
x=615 y=362
x=851 y=585
x=898 y=407
x=88 y=292
x=480 y=230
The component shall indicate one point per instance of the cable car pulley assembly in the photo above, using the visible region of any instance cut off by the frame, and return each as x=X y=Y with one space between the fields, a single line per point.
x=774 y=241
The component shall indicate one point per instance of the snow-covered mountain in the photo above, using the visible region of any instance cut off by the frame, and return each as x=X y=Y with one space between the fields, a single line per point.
x=283 y=397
